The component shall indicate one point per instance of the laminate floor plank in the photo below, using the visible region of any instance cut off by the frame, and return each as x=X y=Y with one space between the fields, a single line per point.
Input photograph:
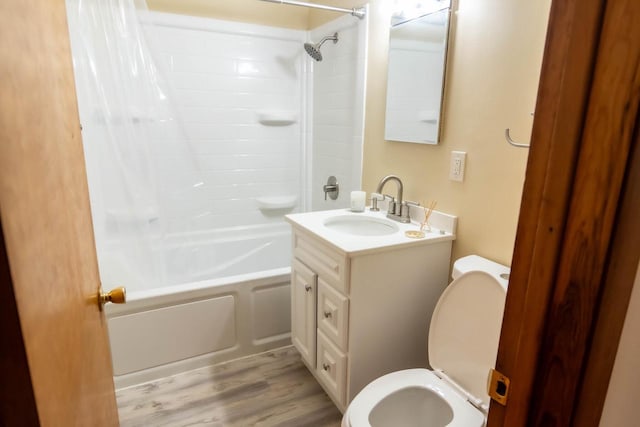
x=267 y=389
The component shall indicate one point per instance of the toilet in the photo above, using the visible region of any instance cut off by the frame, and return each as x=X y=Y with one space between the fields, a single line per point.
x=463 y=343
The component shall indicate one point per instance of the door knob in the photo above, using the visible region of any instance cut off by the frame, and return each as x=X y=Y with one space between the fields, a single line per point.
x=116 y=296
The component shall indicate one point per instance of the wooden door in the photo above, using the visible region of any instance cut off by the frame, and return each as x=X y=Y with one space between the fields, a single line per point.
x=576 y=253
x=48 y=235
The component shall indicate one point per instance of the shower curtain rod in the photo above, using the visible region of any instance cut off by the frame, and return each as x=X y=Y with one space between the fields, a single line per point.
x=358 y=12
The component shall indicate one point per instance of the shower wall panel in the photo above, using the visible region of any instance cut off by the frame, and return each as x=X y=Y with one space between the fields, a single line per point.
x=338 y=110
x=239 y=89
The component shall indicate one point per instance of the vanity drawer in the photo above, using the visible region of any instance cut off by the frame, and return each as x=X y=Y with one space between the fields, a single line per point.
x=324 y=260
x=333 y=314
x=332 y=369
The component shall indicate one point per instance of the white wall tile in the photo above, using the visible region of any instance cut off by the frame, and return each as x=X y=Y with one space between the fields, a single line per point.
x=338 y=82
x=211 y=156
x=221 y=78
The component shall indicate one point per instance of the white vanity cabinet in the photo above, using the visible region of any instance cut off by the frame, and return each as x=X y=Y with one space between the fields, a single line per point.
x=357 y=315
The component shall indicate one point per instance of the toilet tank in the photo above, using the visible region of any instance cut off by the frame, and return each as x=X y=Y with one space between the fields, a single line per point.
x=477 y=263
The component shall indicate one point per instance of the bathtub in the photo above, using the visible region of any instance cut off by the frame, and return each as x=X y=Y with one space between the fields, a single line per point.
x=243 y=308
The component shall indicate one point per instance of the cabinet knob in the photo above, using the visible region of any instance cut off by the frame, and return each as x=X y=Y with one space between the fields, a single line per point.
x=326 y=367
x=327 y=314
x=307 y=288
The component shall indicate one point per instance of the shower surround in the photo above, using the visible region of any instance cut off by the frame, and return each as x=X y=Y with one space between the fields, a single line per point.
x=256 y=126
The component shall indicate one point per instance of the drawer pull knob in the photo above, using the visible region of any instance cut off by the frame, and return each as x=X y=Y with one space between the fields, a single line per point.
x=326 y=367
x=327 y=314
x=307 y=288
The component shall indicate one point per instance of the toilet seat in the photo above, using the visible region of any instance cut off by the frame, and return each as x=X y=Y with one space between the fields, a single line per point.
x=464 y=414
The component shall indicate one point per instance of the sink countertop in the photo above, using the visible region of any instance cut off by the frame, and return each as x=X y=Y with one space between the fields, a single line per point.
x=443 y=227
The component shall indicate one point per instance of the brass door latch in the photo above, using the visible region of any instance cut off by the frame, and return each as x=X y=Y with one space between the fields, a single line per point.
x=498 y=387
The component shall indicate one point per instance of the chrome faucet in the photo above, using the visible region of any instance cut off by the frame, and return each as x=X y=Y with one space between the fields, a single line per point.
x=398 y=199
x=397 y=209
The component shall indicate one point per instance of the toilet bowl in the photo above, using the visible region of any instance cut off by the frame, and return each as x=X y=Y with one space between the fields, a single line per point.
x=463 y=342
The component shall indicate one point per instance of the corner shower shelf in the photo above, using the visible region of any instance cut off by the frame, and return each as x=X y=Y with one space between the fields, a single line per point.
x=277 y=118
x=277 y=202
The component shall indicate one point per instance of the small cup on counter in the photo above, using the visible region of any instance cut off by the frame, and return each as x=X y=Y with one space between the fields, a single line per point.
x=358 y=199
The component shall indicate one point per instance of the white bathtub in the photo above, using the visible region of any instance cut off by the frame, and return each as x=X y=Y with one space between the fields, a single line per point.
x=171 y=329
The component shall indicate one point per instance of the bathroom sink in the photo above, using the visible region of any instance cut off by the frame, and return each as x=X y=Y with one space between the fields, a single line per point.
x=361 y=225
x=369 y=231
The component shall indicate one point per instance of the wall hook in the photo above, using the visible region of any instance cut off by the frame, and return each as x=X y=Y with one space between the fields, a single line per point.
x=512 y=142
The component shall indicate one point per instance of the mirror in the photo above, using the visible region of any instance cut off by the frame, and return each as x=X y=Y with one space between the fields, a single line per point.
x=416 y=70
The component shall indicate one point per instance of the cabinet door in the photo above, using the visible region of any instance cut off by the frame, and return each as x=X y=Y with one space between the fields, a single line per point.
x=303 y=311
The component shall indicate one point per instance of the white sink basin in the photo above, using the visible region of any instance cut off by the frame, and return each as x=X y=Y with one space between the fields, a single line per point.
x=367 y=232
x=361 y=225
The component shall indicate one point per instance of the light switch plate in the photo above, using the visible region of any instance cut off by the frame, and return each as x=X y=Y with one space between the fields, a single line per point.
x=456 y=167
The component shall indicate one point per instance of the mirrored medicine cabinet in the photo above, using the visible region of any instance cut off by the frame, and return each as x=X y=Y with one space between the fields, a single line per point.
x=418 y=40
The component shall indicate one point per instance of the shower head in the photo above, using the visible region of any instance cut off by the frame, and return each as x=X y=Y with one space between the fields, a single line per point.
x=314 y=49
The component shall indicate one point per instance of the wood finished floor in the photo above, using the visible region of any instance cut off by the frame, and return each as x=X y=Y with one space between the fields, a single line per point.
x=268 y=389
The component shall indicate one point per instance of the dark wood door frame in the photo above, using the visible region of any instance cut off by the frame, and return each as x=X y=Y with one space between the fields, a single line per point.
x=575 y=254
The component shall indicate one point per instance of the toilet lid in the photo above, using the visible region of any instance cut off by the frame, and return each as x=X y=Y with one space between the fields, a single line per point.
x=465 y=330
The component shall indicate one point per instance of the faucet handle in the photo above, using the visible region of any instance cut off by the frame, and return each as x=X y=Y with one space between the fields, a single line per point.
x=375 y=197
x=405 y=209
x=331 y=188
x=392 y=205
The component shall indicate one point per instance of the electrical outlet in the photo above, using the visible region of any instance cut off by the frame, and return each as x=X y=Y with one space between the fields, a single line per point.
x=456 y=167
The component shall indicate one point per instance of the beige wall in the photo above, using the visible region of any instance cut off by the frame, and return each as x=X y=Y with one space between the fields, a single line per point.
x=622 y=397
x=252 y=11
x=492 y=81
x=318 y=17
x=255 y=11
